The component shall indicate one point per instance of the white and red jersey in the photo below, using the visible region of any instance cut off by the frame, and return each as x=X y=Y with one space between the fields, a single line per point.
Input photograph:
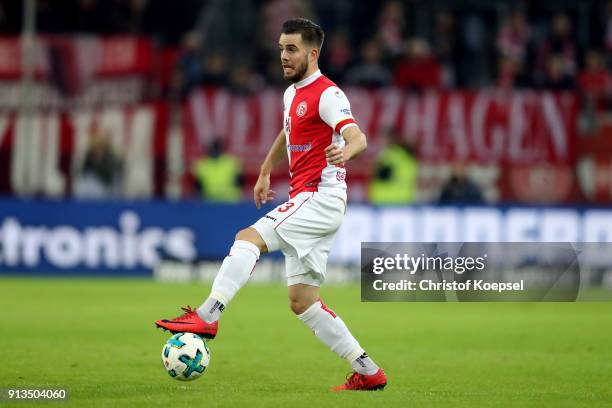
x=316 y=112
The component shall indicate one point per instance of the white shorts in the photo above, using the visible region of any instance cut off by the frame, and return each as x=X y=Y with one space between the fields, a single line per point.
x=304 y=229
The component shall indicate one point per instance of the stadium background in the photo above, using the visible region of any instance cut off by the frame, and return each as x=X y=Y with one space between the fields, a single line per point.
x=515 y=97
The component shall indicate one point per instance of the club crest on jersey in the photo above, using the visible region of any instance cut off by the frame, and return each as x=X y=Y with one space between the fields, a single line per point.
x=341 y=175
x=301 y=109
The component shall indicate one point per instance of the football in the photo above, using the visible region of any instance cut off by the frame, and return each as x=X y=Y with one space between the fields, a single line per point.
x=185 y=356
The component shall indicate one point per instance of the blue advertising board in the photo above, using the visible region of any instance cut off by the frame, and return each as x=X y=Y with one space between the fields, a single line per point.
x=131 y=238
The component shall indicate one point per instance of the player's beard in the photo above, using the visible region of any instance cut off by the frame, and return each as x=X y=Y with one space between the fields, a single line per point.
x=300 y=71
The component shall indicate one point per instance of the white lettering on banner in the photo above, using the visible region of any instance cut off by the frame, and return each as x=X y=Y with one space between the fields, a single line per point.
x=175 y=243
x=128 y=224
x=552 y=116
x=150 y=240
x=239 y=126
x=471 y=224
x=66 y=246
x=440 y=224
x=33 y=240
x=391 y=103
x=597 y=226
x=397 y=225
x=482 y=225
x=457 y=130
x=430 y=145
x=9 y=234
x=559 y=226
x=220 y=114
x=482 y=147
x=101 y=247
x=517 y=127
x=485 y=126
x=362 y=106
x=521 y=225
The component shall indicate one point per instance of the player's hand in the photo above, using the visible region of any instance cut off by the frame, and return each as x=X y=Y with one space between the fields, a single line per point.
x=334 y=154
x=261 y=192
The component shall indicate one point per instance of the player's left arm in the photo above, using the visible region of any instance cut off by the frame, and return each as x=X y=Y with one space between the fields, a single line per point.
x=356 y=143
x=335 y=110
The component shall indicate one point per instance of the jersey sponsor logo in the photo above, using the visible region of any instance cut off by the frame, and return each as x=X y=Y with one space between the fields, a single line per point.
x=346 y=112
x=270 y=218
x=300 y=148
x=341 y=175
x=301 y=109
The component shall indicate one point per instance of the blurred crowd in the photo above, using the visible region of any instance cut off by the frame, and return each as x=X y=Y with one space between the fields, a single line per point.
x=411 y=44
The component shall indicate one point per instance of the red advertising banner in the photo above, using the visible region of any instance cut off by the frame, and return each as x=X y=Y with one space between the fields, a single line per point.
x=482 y=127
x=517 y=146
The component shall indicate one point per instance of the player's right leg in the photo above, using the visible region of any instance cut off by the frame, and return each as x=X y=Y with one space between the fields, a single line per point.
x=233 y=275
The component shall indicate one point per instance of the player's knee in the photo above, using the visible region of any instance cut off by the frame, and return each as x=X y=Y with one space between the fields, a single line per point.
x=242 y=235
x=252 y=236
x=299 y=305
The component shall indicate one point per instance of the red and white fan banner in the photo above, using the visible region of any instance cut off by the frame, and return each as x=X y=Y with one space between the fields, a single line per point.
x=486 y=126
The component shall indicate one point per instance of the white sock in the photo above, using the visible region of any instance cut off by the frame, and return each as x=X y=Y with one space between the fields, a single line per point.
x=211 y=309
x=233 y=275
x=332 y=331
x=364 y=365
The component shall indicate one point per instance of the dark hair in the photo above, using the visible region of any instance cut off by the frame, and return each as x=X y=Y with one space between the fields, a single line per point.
x=310 y=31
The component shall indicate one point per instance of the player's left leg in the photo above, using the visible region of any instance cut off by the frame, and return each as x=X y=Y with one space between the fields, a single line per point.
x=305 y=302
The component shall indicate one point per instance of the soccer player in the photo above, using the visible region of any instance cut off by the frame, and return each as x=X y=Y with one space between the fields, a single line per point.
x=319 y=136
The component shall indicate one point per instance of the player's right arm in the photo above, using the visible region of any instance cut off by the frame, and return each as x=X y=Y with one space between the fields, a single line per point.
x=277 y=153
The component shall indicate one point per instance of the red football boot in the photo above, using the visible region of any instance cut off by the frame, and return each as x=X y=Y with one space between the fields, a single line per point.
x=189 y=322
x=361 y=382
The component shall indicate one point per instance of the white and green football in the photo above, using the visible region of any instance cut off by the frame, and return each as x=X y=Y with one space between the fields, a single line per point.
x=185 y=356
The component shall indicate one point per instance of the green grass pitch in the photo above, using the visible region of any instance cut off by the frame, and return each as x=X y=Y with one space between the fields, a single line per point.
x=97 y=338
